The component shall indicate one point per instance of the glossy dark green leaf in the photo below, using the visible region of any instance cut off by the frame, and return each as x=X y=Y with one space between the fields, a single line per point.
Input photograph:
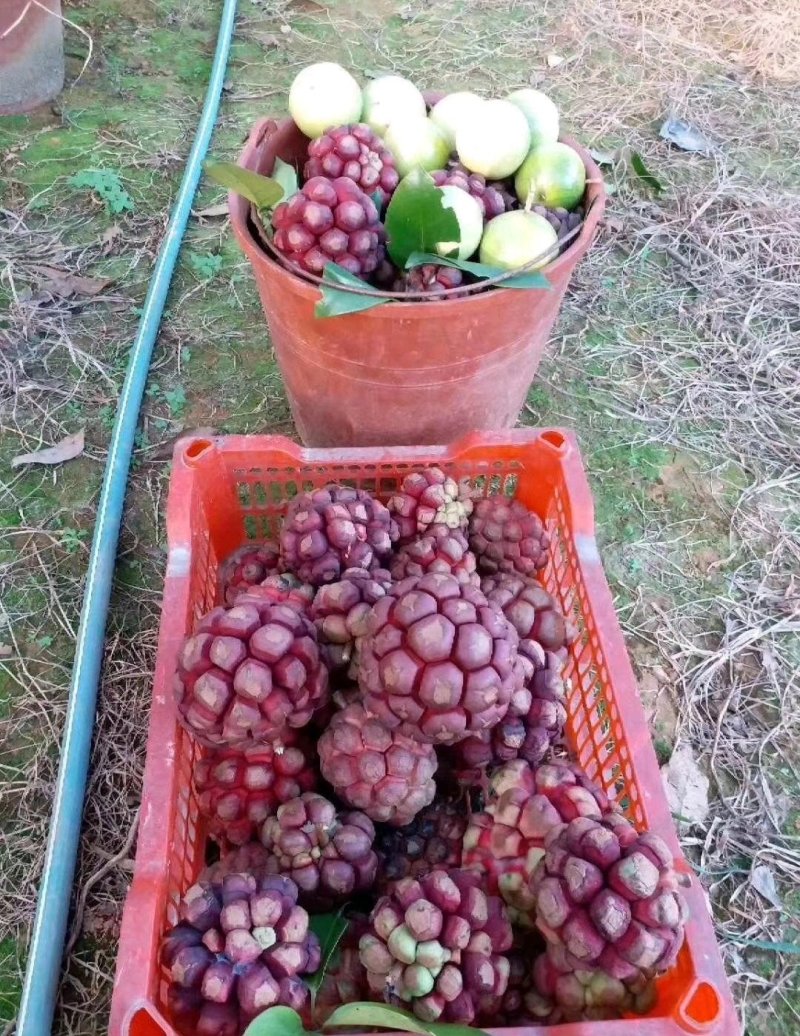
x=335 y=302
x=382 y=1016
x=285 y=175
x=262 y=191
x=417 y=219
x=276 y=1021
x=329 y=929
x=534 y=279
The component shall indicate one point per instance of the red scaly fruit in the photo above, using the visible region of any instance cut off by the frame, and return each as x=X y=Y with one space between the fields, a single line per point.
x=281 y=588
x=524 y=805
x=238 y=789
x=430 y=277
x=491 y=200
x=532 y=611
x=247 y=673
x=507 y=537
x=440 y=549
x=328 y=854
x=251 y=858
x=330 y=221
x=436 y=945
x=609 y=897
x=246 y=567
x=380 y=771
x=426 y=498
x=334 y=529
x=340 y=613
x=357 y=153
x=432 y=839
x=240 y=947
x=438 y=661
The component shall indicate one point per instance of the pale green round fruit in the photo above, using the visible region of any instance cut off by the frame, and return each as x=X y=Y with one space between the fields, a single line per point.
x=452 y=110
x=322 y=96
x=495 y=140
x=470 y=223
x=552 y=175
x=516 y=238
x=416 y=142
x=389 y=98
x=541 y=113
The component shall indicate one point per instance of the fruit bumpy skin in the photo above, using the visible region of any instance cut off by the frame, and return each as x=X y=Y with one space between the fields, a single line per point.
x=426 y=498
x=340 y=612
x=247 y=673
x=432 y=839
x=428 y=278
x=531 y=610
x=248 y=566
x=438 y=661
x=524 y=805
x=440 y=549
x=355 y=152
x=507 y=537
x=609 y=898
x=436 y=946
x=492 y=201
x=329 y=221
x=329 y=855
x=280 y=588
x=240 y=947
x=237 y=790
x=331 y=530
x=380 y=771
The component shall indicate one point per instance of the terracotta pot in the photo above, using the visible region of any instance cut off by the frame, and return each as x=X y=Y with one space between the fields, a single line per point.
x=31 y=54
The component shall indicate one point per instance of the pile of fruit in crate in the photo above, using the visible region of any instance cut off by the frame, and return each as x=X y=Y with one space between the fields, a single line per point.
x=510 y=192
x=382 y=706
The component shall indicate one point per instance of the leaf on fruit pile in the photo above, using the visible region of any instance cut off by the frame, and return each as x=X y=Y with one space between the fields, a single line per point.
x=276 y=1021
x=262 y=191
x=534 y=279
x=67 y=449
x=329 y=929
x=337 y=303
x=368 y=1015
x=286 y=176
x=684 y=136
x=417 y=219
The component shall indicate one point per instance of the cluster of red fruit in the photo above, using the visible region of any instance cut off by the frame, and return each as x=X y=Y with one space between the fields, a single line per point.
x=368 y=679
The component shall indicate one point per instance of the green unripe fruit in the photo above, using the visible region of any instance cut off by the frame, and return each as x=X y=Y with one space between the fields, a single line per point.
x=552 y=175
x=516 y=238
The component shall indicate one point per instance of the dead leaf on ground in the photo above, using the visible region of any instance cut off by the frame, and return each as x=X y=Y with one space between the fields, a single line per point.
x=685 y=136
x=67 y=449
x=65 y=284
x=763 y=881
x=212 y=211
x=109 y=237
x=686 y=786
x=554 y=60
x=6 y=651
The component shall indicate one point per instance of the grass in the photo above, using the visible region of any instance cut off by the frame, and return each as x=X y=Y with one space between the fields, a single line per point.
x=674 y=360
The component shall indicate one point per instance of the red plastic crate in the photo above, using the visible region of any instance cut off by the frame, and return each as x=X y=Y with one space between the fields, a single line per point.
x=227 y=491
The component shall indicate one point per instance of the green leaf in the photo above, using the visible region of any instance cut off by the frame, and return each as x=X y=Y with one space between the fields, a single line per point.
x=329 y=929
x=644 y=174
x=450 y=1029
x=262 y=191
x=381 y=1015
x=534 y=279
x=417 y=219
x=205 y=265
x=276 y=1021
x=107 y=185
x=285 y=175
x=337 y=303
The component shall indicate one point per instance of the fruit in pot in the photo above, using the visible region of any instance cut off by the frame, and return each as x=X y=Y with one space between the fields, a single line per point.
x=507 y=537
x=438 y=661
x=246 y=567
x=340 y=613
x=329 y=530
x=552 y=175
x=240 y=947
x=430 y=278
x=388 y=99
x=517 y=239
x=436 y=946
x=355 y=152
x=382 y=772
x=416 y=143
x=494 y=140
x=610 y=898
x=490 y=198
x=329 y=221
x=248 y=672
x=564 y=993
x=280 y=588
x=541 y=113
x=329 y=855
x=251 y=858
x=524 y=805
x=324 y=95
x=440 y=549
x=452 y=111
x=432 y=839
x=426 y=498
x=238 y=789
x=470 y=224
